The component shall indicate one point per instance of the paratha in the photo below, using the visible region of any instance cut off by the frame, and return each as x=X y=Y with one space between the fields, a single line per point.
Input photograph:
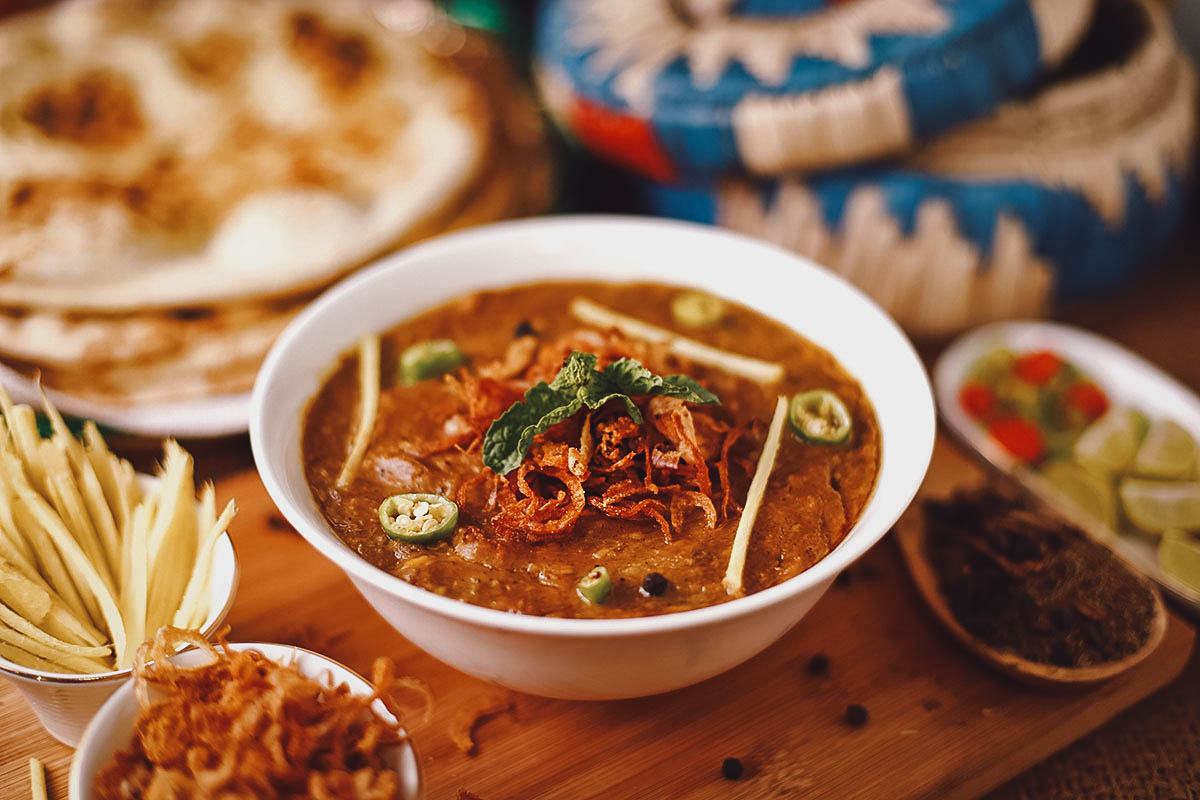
x=83 y=342
x=192 y=152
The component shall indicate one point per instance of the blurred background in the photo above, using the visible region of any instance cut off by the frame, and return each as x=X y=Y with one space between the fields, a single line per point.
x=181 y=178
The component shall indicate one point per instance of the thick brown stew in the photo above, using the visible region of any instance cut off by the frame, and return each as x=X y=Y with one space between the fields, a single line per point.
x=661 y=497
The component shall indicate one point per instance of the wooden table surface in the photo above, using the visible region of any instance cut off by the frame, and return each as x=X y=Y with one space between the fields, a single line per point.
x=942 y=726
x=1157 y=318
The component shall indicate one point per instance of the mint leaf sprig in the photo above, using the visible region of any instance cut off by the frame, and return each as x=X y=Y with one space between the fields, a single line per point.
x=578 y=385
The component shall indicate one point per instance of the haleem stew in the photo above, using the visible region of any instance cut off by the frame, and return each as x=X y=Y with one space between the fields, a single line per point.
x=591 y=450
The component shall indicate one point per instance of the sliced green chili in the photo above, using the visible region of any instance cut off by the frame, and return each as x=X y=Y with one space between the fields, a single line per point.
x=697 y=309
x=596 y=586
x=429 y=359
x=820 y=417
x=418 y=518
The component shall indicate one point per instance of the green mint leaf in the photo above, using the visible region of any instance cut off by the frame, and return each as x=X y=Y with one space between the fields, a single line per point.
x=686 y=388
x=598 y=396
x=628 y=376
x=576 y=373
x=509 y=437
x=576 y=385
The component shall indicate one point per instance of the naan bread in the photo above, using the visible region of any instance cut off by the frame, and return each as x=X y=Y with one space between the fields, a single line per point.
x=188 y=353
x=165 y=358
x=156 y=155
x=74 y=342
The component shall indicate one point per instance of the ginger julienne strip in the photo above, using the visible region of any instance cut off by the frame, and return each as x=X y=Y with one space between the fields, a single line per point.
x=754 y=369
x=368 y=407
x=758 y=487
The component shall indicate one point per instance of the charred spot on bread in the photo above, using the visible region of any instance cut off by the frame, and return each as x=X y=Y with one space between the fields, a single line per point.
x=341 y=58
x=216 y=57
x=97 y=109
x=20 y=195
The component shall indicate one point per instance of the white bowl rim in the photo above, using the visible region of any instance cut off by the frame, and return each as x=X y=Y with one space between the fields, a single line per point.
x=360 y=569
x=41 y=676
x=276 y=652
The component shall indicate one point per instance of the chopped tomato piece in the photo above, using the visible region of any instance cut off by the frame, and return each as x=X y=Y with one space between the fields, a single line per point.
x=1038 y=367
x=977 y=399
x=1089 y=398
x=1019 y=437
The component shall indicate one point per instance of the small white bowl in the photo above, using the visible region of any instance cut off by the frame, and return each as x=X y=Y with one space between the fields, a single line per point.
x=65 y=702
x=112 y=727
x=596 y=658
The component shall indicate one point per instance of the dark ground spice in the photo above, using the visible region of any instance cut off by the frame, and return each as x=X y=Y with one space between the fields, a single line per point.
x=1024 y=581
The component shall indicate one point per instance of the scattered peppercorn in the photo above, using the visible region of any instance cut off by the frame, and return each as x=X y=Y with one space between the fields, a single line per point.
x=523 y=329
x=856 y=715
x=732 y=769
x=844 y=578
x=818 y=664
x=278 y=523
x=654 y=585
x=868 y=571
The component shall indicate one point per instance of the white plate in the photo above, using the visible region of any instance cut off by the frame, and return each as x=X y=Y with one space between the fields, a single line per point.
x=194 y=419
x=1126 y=378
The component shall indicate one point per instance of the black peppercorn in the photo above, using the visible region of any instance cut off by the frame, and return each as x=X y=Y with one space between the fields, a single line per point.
x=732 y=769
x=654 y=585
x=856 y=715
x=818 y=664
x=523 y=329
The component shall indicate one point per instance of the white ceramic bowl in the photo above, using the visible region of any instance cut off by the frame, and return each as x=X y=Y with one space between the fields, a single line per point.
x=65 y=702
x=586 y=658
x=112 y=728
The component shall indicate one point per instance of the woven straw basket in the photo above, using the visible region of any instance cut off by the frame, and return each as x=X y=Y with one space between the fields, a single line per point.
x=1061 y=194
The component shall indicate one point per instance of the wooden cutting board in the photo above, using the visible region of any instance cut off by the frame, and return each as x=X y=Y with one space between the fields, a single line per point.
x=941 y=725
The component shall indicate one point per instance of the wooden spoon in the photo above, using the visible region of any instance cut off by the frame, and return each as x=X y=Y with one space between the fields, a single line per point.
x=910 y=535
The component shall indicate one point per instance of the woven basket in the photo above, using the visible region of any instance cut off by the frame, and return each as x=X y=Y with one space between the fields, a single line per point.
x=692 y=89
x=1059 y=195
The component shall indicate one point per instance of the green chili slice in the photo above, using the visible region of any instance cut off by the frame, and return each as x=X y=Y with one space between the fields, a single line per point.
x=697 y=309
x=820 y=417
x=418 y=518
x=429 y=359
x=595 y=587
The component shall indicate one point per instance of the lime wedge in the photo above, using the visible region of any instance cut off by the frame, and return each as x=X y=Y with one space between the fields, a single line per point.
x=988 y=368
x=1169 y=452
x=1179 y=557
x=1108 y=445
x=1158 y=506
x=1090 y=492
x=1017 y=396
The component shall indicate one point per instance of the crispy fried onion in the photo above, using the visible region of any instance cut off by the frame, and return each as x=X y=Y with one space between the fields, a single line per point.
x=545 y=505
x=659 y=471
x=242 y=725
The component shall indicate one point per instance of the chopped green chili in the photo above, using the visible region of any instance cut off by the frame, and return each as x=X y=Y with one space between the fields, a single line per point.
x=429 y=359
x=697 y=309
x=418 y=518
x=596 y=586
x=820 y=417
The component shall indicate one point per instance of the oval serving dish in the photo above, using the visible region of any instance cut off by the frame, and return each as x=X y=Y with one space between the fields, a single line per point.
x=1128 y=380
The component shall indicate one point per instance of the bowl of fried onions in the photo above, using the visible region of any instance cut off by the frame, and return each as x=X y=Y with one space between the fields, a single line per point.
x=247 y=720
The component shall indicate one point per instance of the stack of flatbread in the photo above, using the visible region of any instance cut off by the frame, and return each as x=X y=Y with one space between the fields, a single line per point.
x=178 y=178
